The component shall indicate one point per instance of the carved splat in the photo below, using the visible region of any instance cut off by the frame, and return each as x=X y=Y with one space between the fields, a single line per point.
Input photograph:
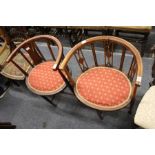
x=81 y=60
x=108 y=53
x=51 y=51
x=94 y=54
x=132 y=69
x=35 y=56
x=122 y=58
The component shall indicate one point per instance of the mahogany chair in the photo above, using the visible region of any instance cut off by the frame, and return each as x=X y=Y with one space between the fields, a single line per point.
x=145 y=113
x=9 y=70
x=4 y=52
x=41 y=78
x=104 y=83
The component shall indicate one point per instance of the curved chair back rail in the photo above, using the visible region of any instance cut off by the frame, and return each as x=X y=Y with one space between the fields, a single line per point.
x=109 y=44
x=31 y=53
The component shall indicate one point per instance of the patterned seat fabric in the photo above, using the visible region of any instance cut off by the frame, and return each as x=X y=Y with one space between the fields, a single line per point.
x=145 y=114
x=104 y=87
x=43 y=80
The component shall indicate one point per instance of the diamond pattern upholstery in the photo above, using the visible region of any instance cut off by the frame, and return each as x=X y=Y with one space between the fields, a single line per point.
x=45 y=81
x=104 y=87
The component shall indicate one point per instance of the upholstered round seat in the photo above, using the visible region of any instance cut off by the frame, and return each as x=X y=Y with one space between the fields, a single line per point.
x=43 y=80
x=103 y=88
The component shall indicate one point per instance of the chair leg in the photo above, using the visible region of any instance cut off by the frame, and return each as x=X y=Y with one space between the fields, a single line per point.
x=53 y=97
x=7 y=125
x=100 y=114
x=15 y=83
x=66 y=81
x=131 y=106
x=134 y=126
x=144 y=42
x=48 y=100
x=9 y=82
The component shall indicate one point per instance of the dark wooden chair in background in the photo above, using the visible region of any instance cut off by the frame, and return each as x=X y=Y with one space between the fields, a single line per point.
x=10 y=71
x=145 y=113
x=153 y=66
x=41 y=79
x=4 y=50
x=135 y=34
x=4 y=53
x=102 y=84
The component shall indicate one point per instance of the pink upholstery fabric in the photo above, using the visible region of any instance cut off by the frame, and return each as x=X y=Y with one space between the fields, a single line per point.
x=103 y=86
x=43 y=78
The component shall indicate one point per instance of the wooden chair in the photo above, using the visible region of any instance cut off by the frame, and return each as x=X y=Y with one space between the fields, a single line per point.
x=4 y=50
x=135 y=34
x=10 y=71
x=4 y=53
x=145 y=113
x=104 y=83
x=41 y=79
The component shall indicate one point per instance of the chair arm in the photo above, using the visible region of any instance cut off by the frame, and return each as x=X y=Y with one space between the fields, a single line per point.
x=139 y=80
x=58 y=60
